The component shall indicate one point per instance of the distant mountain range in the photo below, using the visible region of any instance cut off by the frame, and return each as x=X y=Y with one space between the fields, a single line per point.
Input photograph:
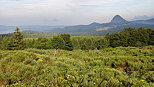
x=42 y=28
x=93 y=29
x=116 y=24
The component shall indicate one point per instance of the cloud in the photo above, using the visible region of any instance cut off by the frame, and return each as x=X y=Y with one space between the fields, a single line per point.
x=144 y=17
x=60 y=12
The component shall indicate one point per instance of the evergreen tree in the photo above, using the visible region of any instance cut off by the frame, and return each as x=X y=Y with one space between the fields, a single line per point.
x=16 y=42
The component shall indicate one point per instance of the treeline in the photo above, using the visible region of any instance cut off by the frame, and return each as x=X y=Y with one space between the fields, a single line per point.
x=16 y=42
x=132 y=37
x=128 y=37
x=37 y=34
x=64 y=41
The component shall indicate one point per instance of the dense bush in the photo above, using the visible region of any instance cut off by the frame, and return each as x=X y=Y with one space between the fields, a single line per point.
x=109 y=67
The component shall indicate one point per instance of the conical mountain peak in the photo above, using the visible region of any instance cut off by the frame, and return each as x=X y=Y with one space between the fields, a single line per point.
x=118 y=20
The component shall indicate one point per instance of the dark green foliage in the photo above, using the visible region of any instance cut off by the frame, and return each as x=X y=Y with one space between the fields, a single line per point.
x=131 y=37
x=67 y=42
x=151 y=37
x=89 y=43
x=16 y=41
x=128 y=37
x=101 y=43
x=57 y=42
x=117 y=39
x=1 y=38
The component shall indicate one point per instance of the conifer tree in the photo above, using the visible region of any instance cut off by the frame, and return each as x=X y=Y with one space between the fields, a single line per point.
x=16 y=42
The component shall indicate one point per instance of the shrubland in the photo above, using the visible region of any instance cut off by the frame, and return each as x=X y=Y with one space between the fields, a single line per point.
x=109 y=67
x=124 y=59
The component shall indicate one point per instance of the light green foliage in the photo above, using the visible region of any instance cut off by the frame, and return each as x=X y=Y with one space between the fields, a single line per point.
x=109 y=67
x=43 y=43
x=31 y=42
x=4 y=41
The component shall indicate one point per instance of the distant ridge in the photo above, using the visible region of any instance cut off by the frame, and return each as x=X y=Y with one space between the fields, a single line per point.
x=118 y=20
x=93 y=29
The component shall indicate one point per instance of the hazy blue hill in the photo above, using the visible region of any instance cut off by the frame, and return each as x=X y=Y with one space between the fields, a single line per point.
x=30 y=34
x=6 y=29
x=43 y=28
x=118 y=20
x=77 y=28
x=116 y=25
x=149 y=21
x=93 y=29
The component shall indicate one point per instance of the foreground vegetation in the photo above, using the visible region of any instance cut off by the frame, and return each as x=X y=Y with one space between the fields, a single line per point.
x=123 y=59
x=110 y=67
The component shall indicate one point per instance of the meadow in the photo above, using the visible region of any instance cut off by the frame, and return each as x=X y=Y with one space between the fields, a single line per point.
x=108 y=67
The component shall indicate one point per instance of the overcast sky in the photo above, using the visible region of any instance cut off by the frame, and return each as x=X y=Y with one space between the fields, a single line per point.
x=71 y=12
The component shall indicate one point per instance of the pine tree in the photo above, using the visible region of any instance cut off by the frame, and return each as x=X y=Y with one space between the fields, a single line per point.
x=16 y=42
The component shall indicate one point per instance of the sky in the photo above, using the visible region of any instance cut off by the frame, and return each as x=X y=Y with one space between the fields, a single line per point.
x=72 y=12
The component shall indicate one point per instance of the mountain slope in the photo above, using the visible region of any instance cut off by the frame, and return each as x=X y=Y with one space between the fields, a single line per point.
x=43 y=28
x=149 y=21
x=77 y=28
x=118 y=20
x=116 y=25
x=93 y=29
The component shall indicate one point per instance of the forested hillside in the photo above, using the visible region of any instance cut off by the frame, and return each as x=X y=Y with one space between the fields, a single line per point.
x=34 y=34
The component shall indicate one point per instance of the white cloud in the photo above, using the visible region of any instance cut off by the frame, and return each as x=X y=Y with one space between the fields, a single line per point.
x=69 y=11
